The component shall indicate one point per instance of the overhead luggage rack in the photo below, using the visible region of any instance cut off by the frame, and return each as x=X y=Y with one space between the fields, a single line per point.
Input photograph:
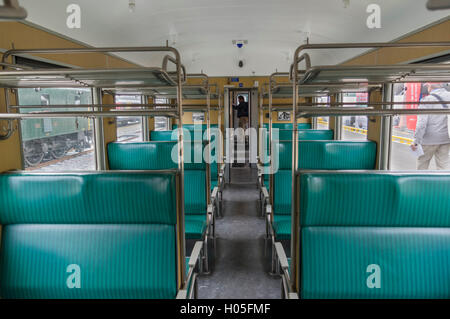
x=110 y=80
x=114 y=79
x=376 y=74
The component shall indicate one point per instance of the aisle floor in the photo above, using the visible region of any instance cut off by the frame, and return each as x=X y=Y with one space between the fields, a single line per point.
x=241 y=269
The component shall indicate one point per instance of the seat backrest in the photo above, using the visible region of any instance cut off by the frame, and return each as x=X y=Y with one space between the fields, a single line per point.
x=88 y=235
x=306 y=135
x=375 y=235
x=162 y=136
x=319 y=155
x=141 y=155
x=148 y=155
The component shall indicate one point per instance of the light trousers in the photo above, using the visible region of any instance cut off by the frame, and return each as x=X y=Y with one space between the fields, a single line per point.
x=440 y=153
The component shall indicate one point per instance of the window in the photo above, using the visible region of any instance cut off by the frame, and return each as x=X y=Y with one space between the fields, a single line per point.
x=129 y=129
x=354 y=127
x=55 y=144
x=404 y=128
x=323 y=122
x=161 y=122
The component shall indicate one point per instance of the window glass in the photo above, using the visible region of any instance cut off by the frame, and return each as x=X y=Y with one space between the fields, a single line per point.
x=129 y=129
x=432 y=130
x=323 y=122
x=161 y=122
x=55 y=144
x=354 y=127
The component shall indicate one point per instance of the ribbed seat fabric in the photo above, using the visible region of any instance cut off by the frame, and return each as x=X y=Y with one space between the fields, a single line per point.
x=153 y=155
x=88 y=235
x=320 y=155
x=375 y=235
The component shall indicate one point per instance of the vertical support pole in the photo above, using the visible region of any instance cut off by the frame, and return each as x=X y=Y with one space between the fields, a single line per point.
x=220 y=140
x=145 y=126
x=338 y=120
x=386 y=128
x=295 y=227
x=269 y=151
x=100 y=159
x=261 y=126
x=181 y=245
x=208 y=137
x=374 y=126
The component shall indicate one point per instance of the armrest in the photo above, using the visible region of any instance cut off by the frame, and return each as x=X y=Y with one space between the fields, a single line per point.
x=195 y=254
x=286 y=280
x=282 y=257
x=195 y=257
x=269 y=209
x=214 y=193
x=210 y=213
x=265 y=192
x=293 y=295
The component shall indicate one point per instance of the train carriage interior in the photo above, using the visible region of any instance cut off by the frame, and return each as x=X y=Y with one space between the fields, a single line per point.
x=208 y=149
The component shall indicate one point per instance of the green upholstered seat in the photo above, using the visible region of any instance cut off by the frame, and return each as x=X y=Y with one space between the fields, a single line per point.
x=88 y=235
x=141 y=156
x=282 y=226
x=155 y=155
x=163 y=136
x=320 y=155
x=327 y=155
x=192 y=127
x=195 y=226
x=306 y=135
x=214 y=184
x=355 y=226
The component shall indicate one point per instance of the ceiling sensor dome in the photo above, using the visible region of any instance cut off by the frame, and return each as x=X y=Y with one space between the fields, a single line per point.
x=241 y=63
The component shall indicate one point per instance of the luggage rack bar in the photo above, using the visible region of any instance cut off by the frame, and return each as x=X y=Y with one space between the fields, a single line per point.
x=90 y=114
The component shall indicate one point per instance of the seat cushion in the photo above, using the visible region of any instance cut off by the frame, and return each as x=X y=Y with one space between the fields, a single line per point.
x=282 y=226
x=195 y=226
x=88 y=261
x=375 y=262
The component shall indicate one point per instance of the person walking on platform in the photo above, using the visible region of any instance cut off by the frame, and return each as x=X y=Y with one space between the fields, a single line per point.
x=432 y=131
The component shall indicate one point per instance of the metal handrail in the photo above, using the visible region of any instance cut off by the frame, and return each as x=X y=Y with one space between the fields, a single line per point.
x=315 y=111
x=168 y=58
x=93 y=114
x=368 y=45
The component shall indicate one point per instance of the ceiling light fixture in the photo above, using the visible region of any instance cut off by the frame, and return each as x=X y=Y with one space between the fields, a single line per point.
x=131 y=5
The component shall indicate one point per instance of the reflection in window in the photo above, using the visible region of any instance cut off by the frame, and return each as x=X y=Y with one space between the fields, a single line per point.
x=430 y=132
x=161 y=122
x=129 y=129
x=354 y=127
x=52 y=144
x=323 y=122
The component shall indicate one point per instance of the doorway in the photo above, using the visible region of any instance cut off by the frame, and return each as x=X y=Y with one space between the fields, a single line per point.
x=239 y=149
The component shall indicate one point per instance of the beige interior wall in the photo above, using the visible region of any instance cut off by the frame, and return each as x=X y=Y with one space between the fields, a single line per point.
x=436 y=33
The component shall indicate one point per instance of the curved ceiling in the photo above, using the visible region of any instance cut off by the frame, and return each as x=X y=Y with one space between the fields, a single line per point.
x=203 y=30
